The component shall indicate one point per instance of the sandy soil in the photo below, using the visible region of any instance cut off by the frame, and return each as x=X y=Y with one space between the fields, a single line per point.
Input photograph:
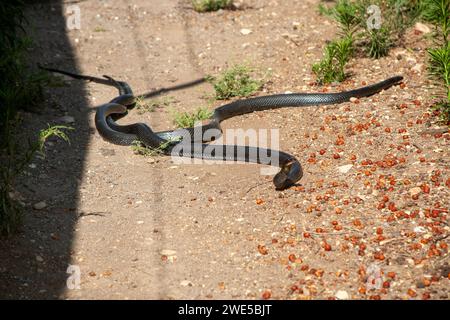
x=148 y=228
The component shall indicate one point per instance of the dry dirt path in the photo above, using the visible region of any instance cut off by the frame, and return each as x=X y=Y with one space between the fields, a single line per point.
x=148 y=228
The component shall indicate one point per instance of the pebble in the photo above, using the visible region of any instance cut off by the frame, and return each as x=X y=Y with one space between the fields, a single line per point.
x=168 y=252
x=345 y=169
x=422 y=28
x=67 y=119
x=39 y=259
x=40 y=205
x=246 y=31
x=342 y=295
x=415 y=191
x=417 y=68
x=420 y=229
x=186 y=283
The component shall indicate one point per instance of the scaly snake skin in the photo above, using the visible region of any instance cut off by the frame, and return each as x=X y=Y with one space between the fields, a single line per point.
x=184 y=142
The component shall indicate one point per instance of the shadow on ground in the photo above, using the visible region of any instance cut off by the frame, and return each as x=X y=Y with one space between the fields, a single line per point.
x=34 y=263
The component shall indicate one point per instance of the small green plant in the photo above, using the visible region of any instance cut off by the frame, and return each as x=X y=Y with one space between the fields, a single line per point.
x=211 y=5
x=332 y=67
x=439 y=65
x=439 y=69
x=346 y=15
x=187 y=120
x=438 y=13
x=379 y=43
x=151 y=106
x=352 y=17
x=141 y=149
x=235 y=82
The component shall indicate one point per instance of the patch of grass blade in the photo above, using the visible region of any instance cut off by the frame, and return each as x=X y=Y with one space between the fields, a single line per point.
x=143 y=106
x=141 y=149
x=211 y=5
x=235 y=82
x=438 y=13
x=379 y=43
x=332 y=67
x=188 y=120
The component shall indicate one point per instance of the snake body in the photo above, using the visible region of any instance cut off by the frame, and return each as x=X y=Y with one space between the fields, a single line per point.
x=185 y=142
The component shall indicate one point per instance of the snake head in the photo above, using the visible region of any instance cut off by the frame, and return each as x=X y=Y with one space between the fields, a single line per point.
x=125 y=99
x=289 y=174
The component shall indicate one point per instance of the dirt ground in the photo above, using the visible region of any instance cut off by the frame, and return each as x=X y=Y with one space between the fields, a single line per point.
x=368 y=220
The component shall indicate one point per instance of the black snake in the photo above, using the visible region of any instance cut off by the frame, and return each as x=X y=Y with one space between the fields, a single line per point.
x=188 y=142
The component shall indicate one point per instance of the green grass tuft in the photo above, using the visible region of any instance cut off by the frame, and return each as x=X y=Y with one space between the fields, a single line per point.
x=151 y=106
x=379 y=43
x=235 y=82
x=141 y=149
x=211 y=5
x=438 y=13
x=188 y=120
x=332 y=67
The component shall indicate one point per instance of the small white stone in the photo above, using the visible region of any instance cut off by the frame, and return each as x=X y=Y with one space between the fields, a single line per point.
x=420 y=230
x=40 y=205
x=422 y=27
x=186 y=283
x=168 y=252
x=39 y=259
x=342 y=295
x=417 y=68
x=344 y=169
x=246 y=31
x=415 y=191
x=67 y=119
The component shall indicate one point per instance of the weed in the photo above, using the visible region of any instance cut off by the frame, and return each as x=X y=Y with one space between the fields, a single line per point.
x=235 y=82
x=438 y=12
x=151 y=106
x=352 y=18
x=331 y=67
x=141 y=149
x=188 y=120
x=439 y=70
x=346 y=15
x=211 y=5
x=379 y=42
